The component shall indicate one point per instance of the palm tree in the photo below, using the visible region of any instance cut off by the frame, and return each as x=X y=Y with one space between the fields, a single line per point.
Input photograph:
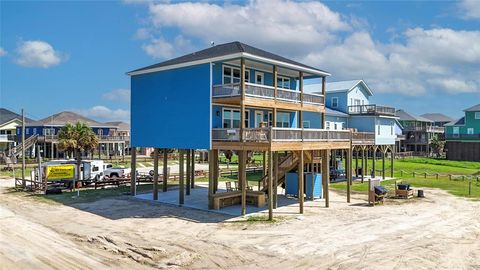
x=78 y=139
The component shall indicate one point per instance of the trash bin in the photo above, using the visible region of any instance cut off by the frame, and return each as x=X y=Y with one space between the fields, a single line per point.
x=420 y=193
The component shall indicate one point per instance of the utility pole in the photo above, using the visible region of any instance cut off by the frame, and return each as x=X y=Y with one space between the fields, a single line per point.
x=24 y=183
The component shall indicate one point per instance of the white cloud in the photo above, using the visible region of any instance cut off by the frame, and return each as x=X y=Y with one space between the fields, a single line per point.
x=102 y=113
x=469 y=9
x=417 y=61
x=36 y=53
x=2 y=52
x=122 y=95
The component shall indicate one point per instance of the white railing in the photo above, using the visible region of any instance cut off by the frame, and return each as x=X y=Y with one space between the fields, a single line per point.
x=265 y=91
x=280 y=134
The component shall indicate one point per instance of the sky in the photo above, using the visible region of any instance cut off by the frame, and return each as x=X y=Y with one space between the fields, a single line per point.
x=73 y=55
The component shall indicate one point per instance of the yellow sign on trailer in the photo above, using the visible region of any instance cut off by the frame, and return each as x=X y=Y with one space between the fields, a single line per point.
x=61 y=171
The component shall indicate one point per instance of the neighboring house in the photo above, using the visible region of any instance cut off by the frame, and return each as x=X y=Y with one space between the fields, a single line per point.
x=374 y=125
x=234 y=97
x=9 y=121
x=419 y=132
x=463 y=136
x=439 y=119
x=44 y=133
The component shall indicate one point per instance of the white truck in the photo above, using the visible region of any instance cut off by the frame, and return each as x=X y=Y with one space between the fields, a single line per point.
x=115 y=172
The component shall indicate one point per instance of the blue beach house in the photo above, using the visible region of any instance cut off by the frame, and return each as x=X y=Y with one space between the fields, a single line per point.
x=236 y=97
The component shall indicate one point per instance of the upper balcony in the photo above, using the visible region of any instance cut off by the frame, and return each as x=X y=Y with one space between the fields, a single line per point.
x=101 y=138
x=7 y=137
x=462 y=136
x=371 y=109
x=267 y=96
x=425 y=129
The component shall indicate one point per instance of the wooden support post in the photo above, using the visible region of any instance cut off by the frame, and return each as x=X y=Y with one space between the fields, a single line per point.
x=275 y=181
x=155 y=174
x=356 y=162
x=188 y=172
x=366 y=163
x=270 y=185
x=243 y=179
x=216 y=172
x=211 y=166
x=374 y=158
x=349 y=172
x=192 y=184
x=327 y=182
x=24 y=183
x=392 y=161
x=383 y=163
x=264 y=163
x=133 y=173
x=242 y=99
x=165 y=170
x=181 y=179
x=363 y=163
x=300 y=181
x=370 y=192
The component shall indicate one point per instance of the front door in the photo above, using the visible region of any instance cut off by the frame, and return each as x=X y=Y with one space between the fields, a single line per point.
x=258 y=118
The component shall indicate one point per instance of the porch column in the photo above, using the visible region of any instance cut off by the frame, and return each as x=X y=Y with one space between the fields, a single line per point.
x=323 y=93
x=275 y=179
x=366 y=163
x=348 y=167
x=270 y=185
x=275 y=92
x=181 y=186
x=356 y=162
x=392 y=160
x=383 y=163
x=242 y=179
x=133 y=173
x=51 y=151
x=363 y=162
x=165 y=170
x=300 y=87
x=374 y=158
x=216 y=173
x=242 y=100
x=326 y=175
x=189 y=172
x=192 y=184
x=211 y=166
x=300 y=181
x=155 y=174
x=264 y=163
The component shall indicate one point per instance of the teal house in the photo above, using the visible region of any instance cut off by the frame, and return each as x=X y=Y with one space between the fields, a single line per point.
x=463 y=136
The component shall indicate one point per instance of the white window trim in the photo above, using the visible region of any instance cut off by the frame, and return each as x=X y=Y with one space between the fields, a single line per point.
x=477 y=115
x=263 y=77
x=288 y=119
x=327 y=125
x=470 y=129
x=247 y=116
x=270 y=116
x=283 y=80
x=231 y=75
x=306 y=121
x=336 y=99
x=255 y=118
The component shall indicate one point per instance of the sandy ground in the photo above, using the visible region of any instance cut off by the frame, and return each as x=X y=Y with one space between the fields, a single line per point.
x=438 y=232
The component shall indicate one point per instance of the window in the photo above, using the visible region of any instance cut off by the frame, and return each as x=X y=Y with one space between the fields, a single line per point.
x=351 y=101
x=334 y=102
x=283 y=82
x=48 y=131
x=231 y=118
x=357 y=102
x=259 y=77
x=34 y=131
x=335 y=127
x=327 y=125
x=100 y=131
x=470 y=131
x=477 y=115
x=306 y=124
x=456 y=131
x=283 y=119
x=27 y=131
x=270 y=119
x=232 y=75
x=391 y=128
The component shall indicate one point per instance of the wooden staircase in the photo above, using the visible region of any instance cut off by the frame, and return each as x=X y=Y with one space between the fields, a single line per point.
x=16 y=152
x=285 y=165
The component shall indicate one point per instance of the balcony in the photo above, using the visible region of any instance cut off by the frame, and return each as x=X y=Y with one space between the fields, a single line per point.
x=266 y=92
x=462 y=136
x=267 y=135
x=371 y=109
x=101 y=138
x=431 y=129
x=7 y=137
x=363 y=138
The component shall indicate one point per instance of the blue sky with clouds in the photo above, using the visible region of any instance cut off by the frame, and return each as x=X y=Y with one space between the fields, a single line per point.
x=55 y=56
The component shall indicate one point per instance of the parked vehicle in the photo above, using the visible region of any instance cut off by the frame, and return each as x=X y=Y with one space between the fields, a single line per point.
x=112 y=172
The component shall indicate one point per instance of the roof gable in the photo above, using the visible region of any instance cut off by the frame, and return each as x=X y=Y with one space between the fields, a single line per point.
x=347 y=86
x=234 y=49
x=437 y=117
x=475 y=108
x=7 y=116
x=66 y=117
x=405 y=116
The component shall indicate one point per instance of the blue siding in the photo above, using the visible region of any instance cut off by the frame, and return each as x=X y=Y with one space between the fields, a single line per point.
x=171 y=109
x=342 y=101
x=32 y=130
x=314 y=118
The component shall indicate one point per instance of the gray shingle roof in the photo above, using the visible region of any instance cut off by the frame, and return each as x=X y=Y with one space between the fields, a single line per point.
x=62 y=118
x=405 y=116
x=121 y=126
x=475 y=108
x=437 y=117
x=7 y=116
x=223 y=50
x=333 y=112
x=460 y=121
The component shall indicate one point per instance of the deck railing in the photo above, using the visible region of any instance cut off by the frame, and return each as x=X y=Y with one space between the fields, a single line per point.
x=363 y=137
x=49 y=138
x=279 y=134
x=8 y=137
x=265 y=91
x=462 y=136
x=371 y=109
x=425 y=129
